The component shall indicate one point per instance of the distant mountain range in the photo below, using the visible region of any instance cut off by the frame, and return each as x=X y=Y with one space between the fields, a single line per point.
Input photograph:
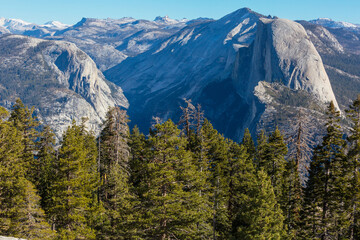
x=245 y=69
x=329 y=23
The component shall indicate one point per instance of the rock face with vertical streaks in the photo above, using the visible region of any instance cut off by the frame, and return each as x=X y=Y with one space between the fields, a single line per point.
x=58 y=79
x=223 y=65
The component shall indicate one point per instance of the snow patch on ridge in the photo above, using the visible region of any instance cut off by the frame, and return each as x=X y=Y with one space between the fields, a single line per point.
x=236 y=30
x=187 y=38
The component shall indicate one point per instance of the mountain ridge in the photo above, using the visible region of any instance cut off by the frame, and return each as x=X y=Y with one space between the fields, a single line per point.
x=221 y=55
x=219 y=64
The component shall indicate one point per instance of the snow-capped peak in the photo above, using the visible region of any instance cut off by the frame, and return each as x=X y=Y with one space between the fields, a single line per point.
x=12 y=22
x=19 y=21
x=55 y=24
x=327 y=22
x=168 y=20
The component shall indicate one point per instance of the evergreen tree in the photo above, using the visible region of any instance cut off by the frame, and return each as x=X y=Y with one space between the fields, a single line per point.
x=310 y=215
x=327 y=184
x=262 y=150
x=74 y=185
x=171 y=200
x=115 y=193
x=262 y=217
x=294 y=201
x=275 y=166
x=271 y=158
x=27 y=124
x=188 y=117
x=353 y=166
x=248 y=143
x=20 y=212
x=215 y=149
x=242 y=183
x=45 y=166
x=138 y=159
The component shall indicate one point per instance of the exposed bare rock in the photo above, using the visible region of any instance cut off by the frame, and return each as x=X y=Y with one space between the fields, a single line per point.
x=219 y=64
x=56 y=77
x=283 y=52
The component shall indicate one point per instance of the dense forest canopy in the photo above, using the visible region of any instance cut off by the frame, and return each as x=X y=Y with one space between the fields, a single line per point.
x=181 y=181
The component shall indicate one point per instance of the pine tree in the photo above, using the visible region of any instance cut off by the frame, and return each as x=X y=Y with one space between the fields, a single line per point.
x=74 y=185
x=188 y=117
x=242 y=179
x=326 y=185
x=262 y=217
x=276 y=167
x=262 y=150
x=115 y=193
x=310 y=215
x=138 y=158
x=20 y=212
x=248 y=143
x=193 y=120
x=171 y=199
x=215 y=149
x=294 y=202
x=353 y=166
x=45 y=166
x=113 y=145
x=271 y=158
x=26 y=123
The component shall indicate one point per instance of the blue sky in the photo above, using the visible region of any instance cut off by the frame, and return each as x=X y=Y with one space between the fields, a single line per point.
x=71 y=11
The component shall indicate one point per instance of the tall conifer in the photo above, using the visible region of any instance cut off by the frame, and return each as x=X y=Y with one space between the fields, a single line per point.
x=353 y=166
x=27 y=124
x=115 y=190
x=326 y=186
x=20 y=212
x=74 y=185
x=171 y=198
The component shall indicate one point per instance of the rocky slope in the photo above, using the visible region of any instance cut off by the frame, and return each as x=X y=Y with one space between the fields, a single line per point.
x=110 y=41
x=58 y=79
x=219 y=64
x=339 y=47
x=244 y=69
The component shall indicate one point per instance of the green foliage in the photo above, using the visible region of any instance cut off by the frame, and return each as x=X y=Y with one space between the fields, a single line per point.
x=26 y=123
x=265 y=220
x=114 y=192
x=20 y=212
x=45 y=166
x=271 y=153
x=294 y=201
x=137 y=160
x=324 y=212
x=353 y=165
x=74 y=184
x=249 y=145
x=250 y=199
x=214 y=151
x=174 y=208
x=171 y=185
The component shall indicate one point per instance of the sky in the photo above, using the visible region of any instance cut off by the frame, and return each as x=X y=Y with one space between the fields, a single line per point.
x=71 y=11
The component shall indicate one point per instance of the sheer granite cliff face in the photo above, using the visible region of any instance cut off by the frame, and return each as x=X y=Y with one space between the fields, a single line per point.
x=58 y=79
x=283 y=52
